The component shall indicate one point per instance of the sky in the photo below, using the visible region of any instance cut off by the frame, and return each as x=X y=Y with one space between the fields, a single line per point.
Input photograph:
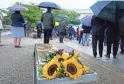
x=66 y=4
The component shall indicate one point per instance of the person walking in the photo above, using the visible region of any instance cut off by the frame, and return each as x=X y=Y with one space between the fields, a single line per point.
x=39 y=29
x=80 y=36
x=62 y=30
x=17 y=28
x=78 y=33
x=98 y=28
x=121 y=28
x=121 y=33
x=71 y=32
x=112 y=38
x=86 y=35
x=105 y=38
x=48 y=23
x=25 y=27
x=1 y=25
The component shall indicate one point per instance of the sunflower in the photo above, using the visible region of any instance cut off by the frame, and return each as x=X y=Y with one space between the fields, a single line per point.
x=76 y=54
x=72 y=68
x=50 y=69
x=85 y=68
x=61 y=58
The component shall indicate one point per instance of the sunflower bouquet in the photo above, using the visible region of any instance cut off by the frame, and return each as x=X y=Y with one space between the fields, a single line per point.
x=63 y=65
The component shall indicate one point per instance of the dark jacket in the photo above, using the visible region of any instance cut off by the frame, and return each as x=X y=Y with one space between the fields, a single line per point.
x=17 y=20
x=39 y=26
x=98 y=26
x=62 y=27
x=121 y=29
x=71 y=30
x=112 y=28
x=48 y=20
x=86 y=29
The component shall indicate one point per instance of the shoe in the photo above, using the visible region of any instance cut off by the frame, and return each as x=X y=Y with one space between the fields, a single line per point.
x=108 y=56
x=114 y=56
x=100 y=55
x=95 y=55
x=18 y=47
x=122 y=52
x=1 y=45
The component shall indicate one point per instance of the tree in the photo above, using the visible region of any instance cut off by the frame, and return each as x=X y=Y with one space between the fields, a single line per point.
x=34 y=13
x=72 y=16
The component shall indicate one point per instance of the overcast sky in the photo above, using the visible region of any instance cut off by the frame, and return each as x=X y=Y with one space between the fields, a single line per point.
x=67 y=4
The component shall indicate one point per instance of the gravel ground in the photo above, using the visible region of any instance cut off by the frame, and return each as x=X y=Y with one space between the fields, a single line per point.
x=16 y=65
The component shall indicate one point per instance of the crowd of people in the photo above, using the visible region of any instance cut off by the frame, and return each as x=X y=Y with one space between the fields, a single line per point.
x=103 y=32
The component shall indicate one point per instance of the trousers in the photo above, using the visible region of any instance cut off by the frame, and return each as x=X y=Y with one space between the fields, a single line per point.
x=47 y=35
x=112 y=40
x=96 y=39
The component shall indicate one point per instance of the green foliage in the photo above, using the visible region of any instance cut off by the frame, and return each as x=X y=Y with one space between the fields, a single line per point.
x=61 y=73
x=50 y=56
x=7 y=18
x=72 y=16
x=41 y=71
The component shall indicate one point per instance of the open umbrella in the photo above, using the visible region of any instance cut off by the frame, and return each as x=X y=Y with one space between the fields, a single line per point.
x=108 y=10
x=49 y=5
x=78 y=19
x=63 y=16
x=17 y=8
x=86 y=21
x=1 y=12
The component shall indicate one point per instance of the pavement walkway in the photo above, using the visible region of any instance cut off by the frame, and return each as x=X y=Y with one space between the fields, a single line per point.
x=88 y=50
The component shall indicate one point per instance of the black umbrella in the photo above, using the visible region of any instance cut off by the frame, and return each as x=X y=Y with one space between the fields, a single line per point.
x=109 y=10
x=49 y=5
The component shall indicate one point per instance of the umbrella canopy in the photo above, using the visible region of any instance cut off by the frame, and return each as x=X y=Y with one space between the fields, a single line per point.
x=49 y=5
x=38 y=22
x=86 y=21
x=17 y=8
x=56 y=24
x=108 y=10
x=1 y=12
x=78 y=19
x=63 y=16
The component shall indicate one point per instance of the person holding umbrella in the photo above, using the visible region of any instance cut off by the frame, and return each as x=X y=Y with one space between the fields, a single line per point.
x=48 y=19
x=111 y=11
x=121 y=33
x=62 y=30
x=121 y=30
x=98 y=28
x=86 y=25
x=17 y=25
x=112 y=38
x=39 y=29
x=48 y=23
